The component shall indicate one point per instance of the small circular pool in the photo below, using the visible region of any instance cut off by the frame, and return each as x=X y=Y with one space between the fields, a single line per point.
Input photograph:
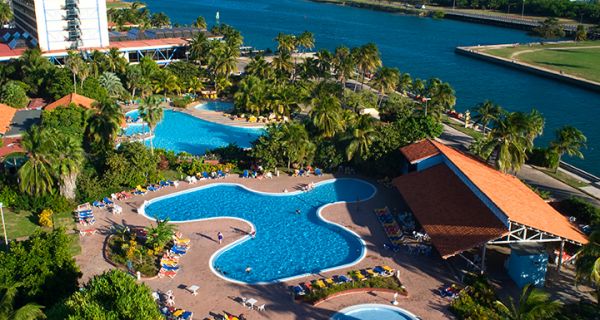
x=373 y=312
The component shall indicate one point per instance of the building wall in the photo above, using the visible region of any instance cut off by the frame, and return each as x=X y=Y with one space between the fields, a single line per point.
x=51 y=24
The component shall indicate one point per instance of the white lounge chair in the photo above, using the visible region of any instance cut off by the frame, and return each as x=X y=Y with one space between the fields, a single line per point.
x=261 y=308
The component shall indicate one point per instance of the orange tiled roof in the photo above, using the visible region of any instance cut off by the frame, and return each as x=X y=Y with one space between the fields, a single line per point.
x=75 y=98
x=7 y=113
x=451 y=214
x=11 y=145
x=517 y=201
x=419 y=151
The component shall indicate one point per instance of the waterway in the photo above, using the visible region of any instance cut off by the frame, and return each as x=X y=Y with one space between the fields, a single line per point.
x=423 y=47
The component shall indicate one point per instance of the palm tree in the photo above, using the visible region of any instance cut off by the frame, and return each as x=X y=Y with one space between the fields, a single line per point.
x=568 y=140
x=152 y=113
x=283 y=63
x=104 y=124
x=68 y=160
x=34 y=68
x=306 y=40
x=112 y=84
x=222 y=61
x=36 y=175
x=251 y=95
x=6 y=14
x=534 y=304
x=296 y=143
x=75 y=63
x=158 y=236
x=259 y=67
x=367 y=60
x=486 y=113
x=200 y=23
x=115 y=62
x=134 y=76
x=29 y=311
x=286 y=43
x=404 y=83
x=343 y=64
x=167 y=82
x=160 y=20
x=325 y=115
x=442 y=97
x=324 y=60
x=199 y=48
x=588 y=262
x=97 y=62
x=360 y=137
x=509 y=141
x=385 y=81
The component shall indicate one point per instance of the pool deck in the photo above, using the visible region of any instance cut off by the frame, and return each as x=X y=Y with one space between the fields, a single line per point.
x=421 y=275
x=218 y=117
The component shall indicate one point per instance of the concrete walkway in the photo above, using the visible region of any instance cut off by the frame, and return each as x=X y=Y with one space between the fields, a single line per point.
x=529 y=174
x=219 y=117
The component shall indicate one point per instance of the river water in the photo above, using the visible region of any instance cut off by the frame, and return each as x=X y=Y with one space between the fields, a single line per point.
x=423 y=47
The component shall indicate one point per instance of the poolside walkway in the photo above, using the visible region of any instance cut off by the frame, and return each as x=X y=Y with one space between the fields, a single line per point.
x=421 y=275
x=219 y=117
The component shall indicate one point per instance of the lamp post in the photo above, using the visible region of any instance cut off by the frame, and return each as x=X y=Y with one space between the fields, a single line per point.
x=453 y=4
x=426 y=100
x=4 y=226
x=523 y=9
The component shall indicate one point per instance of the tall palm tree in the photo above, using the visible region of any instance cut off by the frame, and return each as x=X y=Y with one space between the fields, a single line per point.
x=509 y=141
x=36 y=176
x=160 y=20
x=112 y=84
x=325 y=115
x=29 y=311
x=68 y=160
x=158 y=236
x=296 y=143
x=104 y=124
x=167 y=82
x=367 y=60
x=97 y=63
x=568 y=140
x=134 y=76
x=442 y=97
x=306 y=40
x=283 y=63
x=222 y=61
x=251 y=95
x=534 y=304
x=115 y=62
x=200 y=22
x=286 y=43
x=360 y=137
x=34 y=68
x=385 y=81
x=199 y=48
x=152 y=113
x=486 y=113
x=324 y=61
x=75 y=63
x=259 y=67
x=404 y=83
x=343 y=64
x=588 y=262
x=6 y=14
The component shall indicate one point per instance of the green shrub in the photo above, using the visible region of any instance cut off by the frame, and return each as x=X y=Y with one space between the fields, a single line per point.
x=584 y=211
x=476 y=301
x=438 y=14
x=182 y=102
x=375 y=282
x=539 y=157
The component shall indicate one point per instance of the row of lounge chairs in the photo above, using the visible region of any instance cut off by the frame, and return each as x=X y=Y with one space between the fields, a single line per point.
x=169 y=263
x=85 y=216
x=354 y=275
x=205 y=175
x=172 y=313
x=390 y=225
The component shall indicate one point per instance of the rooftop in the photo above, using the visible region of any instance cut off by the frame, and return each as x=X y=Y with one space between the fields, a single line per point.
x=419 y=151
x=454 y=218
x=22 y=121
x=10 y=145
x=6 y=117
x=75 y=98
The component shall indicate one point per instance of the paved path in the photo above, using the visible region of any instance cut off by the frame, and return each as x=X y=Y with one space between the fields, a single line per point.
x=219 y=117
x=532 y=176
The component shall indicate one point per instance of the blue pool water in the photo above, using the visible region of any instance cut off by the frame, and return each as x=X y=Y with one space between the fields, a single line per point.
x=373 y=312
x=182 y=132
x=423 y=47
x=286 y=244
x=215 y=106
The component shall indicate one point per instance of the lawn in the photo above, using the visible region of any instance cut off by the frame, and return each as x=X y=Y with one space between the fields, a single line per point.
x=573 y=58
x=23 y=223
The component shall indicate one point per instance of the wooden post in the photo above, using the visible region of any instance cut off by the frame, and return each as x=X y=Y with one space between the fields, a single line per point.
x=560 y=256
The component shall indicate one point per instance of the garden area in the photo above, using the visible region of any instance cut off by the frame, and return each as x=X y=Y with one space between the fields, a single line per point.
x=387 y=283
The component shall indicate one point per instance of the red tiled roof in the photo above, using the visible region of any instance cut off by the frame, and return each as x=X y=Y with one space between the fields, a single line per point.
x=7 y=113
x=10 y=145
x=450 y=213
x=419 y=151
x=36 y=103
x=516 y=200
x=75 y=98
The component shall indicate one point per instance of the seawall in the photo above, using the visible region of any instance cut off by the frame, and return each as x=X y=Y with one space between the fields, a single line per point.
x=548 y=73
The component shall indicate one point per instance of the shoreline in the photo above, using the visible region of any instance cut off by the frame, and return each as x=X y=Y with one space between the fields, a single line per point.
x=475 y=52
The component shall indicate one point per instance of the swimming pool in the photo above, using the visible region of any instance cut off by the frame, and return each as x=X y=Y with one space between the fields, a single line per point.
x=182 y=132
x=215 y=106
x=373 y=312
x=286 y=244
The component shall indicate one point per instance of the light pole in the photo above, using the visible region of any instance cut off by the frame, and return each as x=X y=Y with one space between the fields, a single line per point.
x=523 y=9
x=453 y=4
x=426 y=100
x=4 y=226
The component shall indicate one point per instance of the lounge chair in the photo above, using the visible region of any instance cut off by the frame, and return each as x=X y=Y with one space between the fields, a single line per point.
x=298 y=290
x=245 y=174
x=306 y=286
x=319 y=284
x=370 y=273
x=341 y=279
x=84 y=207
x=356 y=275
x=169 y=268
x=164 y=183
x=205 y=175
x=261 y=307
x=178 y=252
x=98 y=204
x=318 y=172
x=220 y=174
x=107 y=201
x=186 y=315
x=382 y=272
x=153 y=188
x=329 y=282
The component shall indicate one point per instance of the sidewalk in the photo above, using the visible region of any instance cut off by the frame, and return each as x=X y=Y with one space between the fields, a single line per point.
x=530 y=175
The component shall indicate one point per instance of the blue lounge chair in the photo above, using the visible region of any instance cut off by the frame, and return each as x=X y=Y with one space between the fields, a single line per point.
x=180 y=248
x=84 y=212
x=178 y=252
x=85 y=215
x=318 y=172
x=245 y=174
x=107 y=201
x=301 y=172
x=220 y=174
x=164 y=183
x=342 y=279
x=152 y=188
x=298 y=290
x=205 y=175
x=98 y=204
x=170 y=268
x=186 y=315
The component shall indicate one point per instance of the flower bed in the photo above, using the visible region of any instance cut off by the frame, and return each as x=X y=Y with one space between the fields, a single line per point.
x=382 y=284
x=120 y=249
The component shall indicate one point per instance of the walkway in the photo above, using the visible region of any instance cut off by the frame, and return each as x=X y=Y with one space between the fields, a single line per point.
x=219 y=117
x=420 y=274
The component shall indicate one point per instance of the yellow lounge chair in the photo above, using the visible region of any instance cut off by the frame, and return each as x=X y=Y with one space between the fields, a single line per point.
x=356 y=275
x=388 y=269
x=329 y=282
x=370 y=273
x=139 y=188
x=319 y=283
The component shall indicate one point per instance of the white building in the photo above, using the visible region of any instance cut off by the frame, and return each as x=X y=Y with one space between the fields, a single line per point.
x=63 y=24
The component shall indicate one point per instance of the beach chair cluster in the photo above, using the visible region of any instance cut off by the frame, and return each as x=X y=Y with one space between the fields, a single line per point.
x=219 y=174
x=84 y=215
x=450 y=291
x=354 y=275
x=390 y=225
x=246 y=174
x=172 y=313
x=108 y=204
x=306 y=172
x=169 y=263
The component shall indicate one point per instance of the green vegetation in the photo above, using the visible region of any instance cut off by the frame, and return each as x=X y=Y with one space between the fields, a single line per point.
x=112 y=295
x=374 y=282
x=580 y=59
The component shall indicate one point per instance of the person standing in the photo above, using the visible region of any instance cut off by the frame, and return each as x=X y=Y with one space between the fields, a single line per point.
x=220 y=237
